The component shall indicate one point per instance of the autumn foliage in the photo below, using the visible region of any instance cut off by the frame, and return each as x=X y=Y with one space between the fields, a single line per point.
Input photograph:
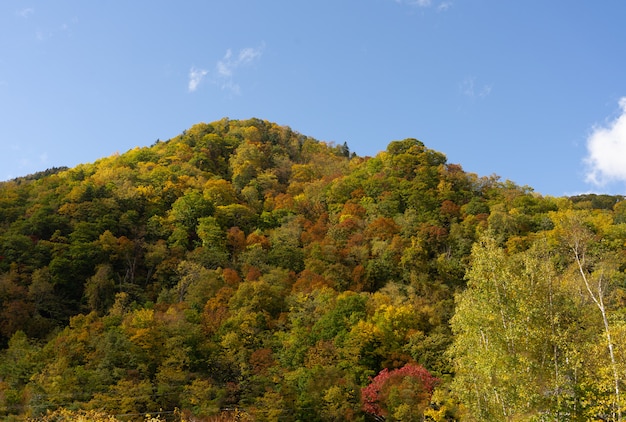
x=242 y=268
x=406 y=389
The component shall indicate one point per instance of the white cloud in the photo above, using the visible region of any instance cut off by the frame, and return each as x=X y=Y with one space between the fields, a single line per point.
x=229 y=63
x=441 y=7
x=606 y=148
x=469 y=88
x=225 y=69
x=420 y=3
x=444 y=6
x=485 y=91
x=248 y=55
x=224 y=66
x=195 y=77
x=24 y=13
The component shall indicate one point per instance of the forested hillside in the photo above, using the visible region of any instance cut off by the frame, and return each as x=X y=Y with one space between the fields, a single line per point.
x=245 y=268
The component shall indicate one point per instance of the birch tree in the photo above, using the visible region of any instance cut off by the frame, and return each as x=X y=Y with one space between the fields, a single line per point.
x=511 y=348
x=597 y=267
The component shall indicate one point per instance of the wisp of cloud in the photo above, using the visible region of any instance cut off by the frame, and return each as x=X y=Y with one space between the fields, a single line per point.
x=606 y=147
x=226 y=67
x=25 y=13
x=195 y=77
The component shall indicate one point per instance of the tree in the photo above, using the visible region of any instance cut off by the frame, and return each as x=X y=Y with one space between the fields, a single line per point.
x=401 y=394
x=246 y=163
x=100 y=290
x=18 y=363
x=186 y=211
x=196 y=285
x=220 y=192
x=513 y=328
x=597 y=269
x=15 y=310
x=236 y=215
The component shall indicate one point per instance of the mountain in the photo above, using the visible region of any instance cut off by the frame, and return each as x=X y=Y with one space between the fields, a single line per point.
x=242 y=265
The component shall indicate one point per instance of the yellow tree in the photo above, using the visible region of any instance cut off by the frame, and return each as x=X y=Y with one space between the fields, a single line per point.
x=514 y=341
x=583 y=233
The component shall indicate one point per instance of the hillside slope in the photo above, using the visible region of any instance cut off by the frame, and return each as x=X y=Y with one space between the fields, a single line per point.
x=242 y=264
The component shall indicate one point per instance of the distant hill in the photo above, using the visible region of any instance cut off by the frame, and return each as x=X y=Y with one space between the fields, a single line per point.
x=243 y=265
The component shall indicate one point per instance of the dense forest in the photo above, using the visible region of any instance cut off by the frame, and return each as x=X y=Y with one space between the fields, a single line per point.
x=244 y=271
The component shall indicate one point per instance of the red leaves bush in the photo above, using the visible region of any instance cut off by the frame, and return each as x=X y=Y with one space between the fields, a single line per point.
x=410 y=385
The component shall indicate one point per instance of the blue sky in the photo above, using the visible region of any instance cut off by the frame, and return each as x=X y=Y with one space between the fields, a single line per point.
x=533 y=91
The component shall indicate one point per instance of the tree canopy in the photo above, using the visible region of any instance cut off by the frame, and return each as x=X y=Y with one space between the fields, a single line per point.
x=244 y=267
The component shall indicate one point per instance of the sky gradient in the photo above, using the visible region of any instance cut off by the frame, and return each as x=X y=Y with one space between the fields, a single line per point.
x=532 y=91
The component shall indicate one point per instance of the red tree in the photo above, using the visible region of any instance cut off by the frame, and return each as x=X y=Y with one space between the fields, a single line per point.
x=412 y=384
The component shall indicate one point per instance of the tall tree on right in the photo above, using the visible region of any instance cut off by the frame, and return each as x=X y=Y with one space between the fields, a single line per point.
x=516 y=333
x=587 y=237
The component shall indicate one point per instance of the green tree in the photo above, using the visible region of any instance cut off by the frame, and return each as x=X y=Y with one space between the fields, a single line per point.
x=186 y=211
x=100 y=290
x=18 y=363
